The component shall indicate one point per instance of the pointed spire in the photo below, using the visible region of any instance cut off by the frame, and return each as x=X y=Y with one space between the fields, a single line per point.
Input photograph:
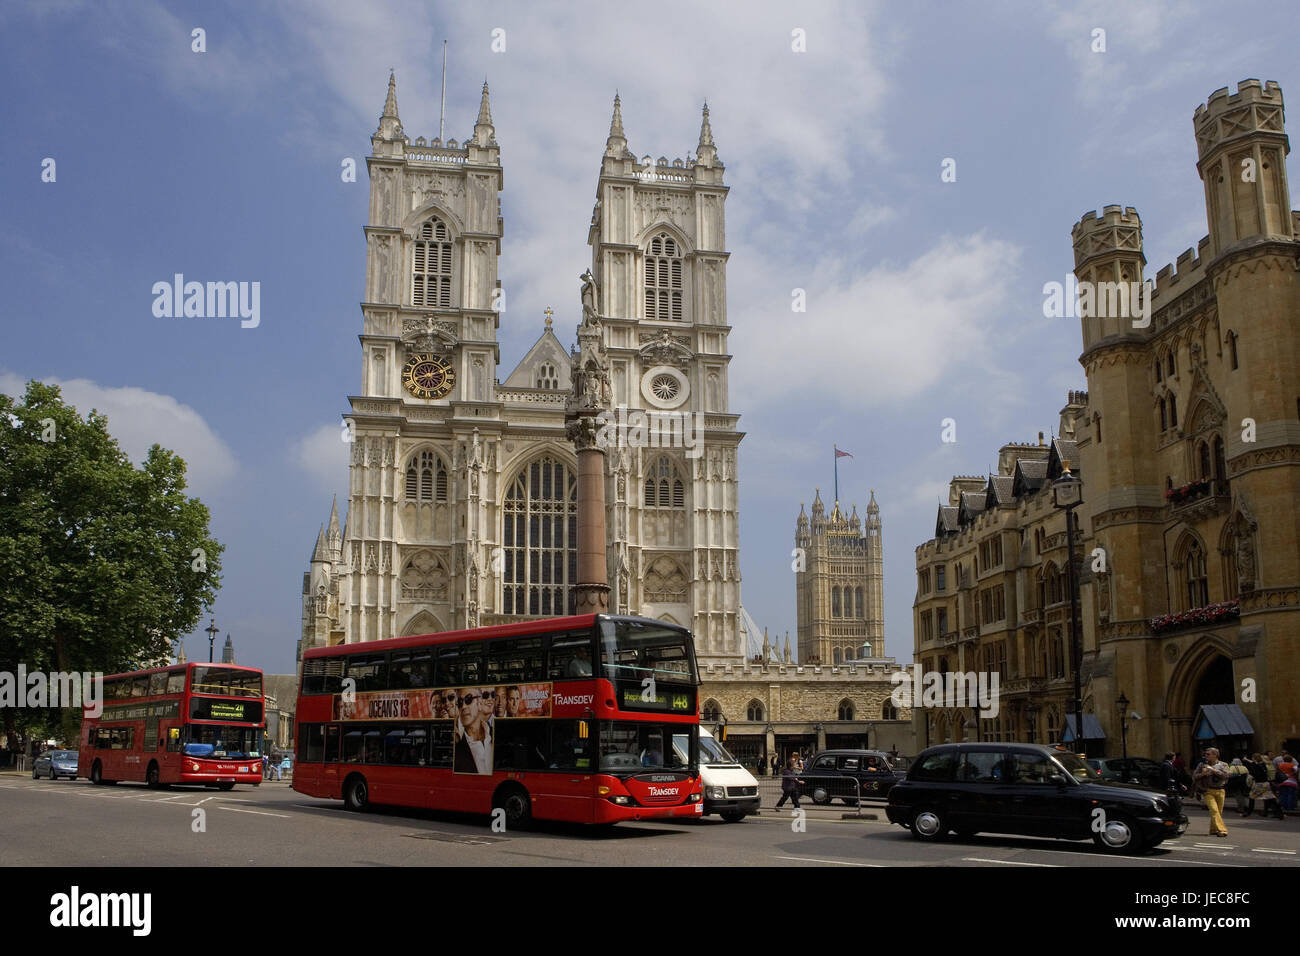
x=616 y=124
x=390 y=104
x=333 y=535
x=180 y=653
x=787 y=647
x=872 y=507
x=390 y=125
x=321 y=553
x=484 y=132
x=616 y=144
x=705 y=153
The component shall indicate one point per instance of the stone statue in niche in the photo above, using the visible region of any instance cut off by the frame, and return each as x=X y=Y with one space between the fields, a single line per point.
x=1245 y=557
x=381 y=267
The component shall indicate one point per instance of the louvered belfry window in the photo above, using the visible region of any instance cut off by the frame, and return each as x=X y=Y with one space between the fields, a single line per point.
x=432 y=267
x=426 y=478
x=663 y=279
x=664 y=487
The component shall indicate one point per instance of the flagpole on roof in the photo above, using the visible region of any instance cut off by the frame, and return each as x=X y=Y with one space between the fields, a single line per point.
x=836 y=450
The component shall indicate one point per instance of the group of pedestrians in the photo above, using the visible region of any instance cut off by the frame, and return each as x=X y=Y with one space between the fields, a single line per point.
x=271 y=763
x=1270 y=779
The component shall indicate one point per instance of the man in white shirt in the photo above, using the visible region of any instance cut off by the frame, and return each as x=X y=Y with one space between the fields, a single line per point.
x=473 y=749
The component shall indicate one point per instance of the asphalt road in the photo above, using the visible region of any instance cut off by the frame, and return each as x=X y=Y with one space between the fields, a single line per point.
x=72 y=823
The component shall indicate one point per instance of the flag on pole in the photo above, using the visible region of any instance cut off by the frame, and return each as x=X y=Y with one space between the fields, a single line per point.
x=840 y=453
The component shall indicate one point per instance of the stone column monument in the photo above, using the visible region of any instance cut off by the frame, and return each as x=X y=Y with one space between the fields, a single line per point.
x=590 y=396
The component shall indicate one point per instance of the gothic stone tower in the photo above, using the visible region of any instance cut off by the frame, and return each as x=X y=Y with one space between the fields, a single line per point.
x=462 y=499
x=839 y=596
x=1190 y=446
x=658 y=252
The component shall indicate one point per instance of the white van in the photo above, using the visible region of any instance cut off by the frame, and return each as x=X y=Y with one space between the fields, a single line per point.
x=729 y=789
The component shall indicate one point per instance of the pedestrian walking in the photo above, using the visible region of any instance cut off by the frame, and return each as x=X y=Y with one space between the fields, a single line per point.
x=1286 y=782
x=1211 y=777
x=1238 y=786
x=789 y=785
x=276 y=759
x=266 y=767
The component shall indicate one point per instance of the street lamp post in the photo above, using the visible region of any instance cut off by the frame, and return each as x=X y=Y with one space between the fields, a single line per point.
x=212 y=631
x=1067 y=494
x=1122 y=704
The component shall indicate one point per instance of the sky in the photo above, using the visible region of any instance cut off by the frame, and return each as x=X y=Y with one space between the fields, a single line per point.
x=834 y=120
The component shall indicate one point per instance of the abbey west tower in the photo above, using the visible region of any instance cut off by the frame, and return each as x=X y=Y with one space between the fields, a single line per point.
x=462 y=492
x=839 y=595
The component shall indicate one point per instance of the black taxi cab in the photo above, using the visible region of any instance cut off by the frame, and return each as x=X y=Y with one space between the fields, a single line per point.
x=1028 y=790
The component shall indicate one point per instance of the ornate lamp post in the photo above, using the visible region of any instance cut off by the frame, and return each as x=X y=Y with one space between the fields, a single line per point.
x=212 y=631
x=1122 y=704
x=587 y=402
x=1067 y=494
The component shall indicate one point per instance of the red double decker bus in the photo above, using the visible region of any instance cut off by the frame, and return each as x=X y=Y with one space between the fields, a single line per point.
x=589 y=719
x=187 y=723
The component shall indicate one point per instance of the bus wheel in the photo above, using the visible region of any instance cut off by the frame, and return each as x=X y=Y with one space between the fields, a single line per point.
x=151 y=777
x=356 y=796
x=225 y=786
x=96 y=774
x=513 y=799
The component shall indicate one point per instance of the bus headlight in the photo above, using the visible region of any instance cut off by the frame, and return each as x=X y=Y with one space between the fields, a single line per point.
x=695 y=798
x=621 y=800
x=195 y=767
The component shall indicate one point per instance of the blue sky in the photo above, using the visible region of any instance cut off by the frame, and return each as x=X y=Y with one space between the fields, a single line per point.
x=924 y=298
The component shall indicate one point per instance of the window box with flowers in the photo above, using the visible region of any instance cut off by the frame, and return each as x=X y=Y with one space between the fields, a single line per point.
x=1189 y=491
x=1197 y=617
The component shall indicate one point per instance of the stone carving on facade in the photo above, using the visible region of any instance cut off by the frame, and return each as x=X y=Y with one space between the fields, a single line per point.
x=429 y=187
x=425 y=578
x=429 y=334
x=665 y=581
x=386 y=195
x=1102 y=580
x=664 y=348
x=381 y=267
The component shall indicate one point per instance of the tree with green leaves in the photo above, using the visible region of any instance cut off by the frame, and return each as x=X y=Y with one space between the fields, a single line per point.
x=103 y=565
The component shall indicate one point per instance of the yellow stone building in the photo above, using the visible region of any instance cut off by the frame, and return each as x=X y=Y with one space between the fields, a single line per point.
x=1188 y=444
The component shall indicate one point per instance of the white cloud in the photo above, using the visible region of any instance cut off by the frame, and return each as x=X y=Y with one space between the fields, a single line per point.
x=881 y=337
x=138 y=419
x=323 y=455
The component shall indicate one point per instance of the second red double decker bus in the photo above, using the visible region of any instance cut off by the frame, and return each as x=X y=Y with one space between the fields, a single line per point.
x=187 y=723
x=588 y=719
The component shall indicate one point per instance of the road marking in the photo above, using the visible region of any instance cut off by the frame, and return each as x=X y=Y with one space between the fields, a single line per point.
x=260 y=813
x=1260 y=849
x=979 y=859
x=808 y=859
x=1215 y=846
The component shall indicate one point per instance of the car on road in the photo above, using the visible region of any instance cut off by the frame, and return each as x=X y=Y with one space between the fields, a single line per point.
x=55 y=764
x=730 y=790
x=847 y=775
x=1129 y=770
x=1029 y=790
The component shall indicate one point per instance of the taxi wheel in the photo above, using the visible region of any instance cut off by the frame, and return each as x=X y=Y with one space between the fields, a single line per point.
x=928 y=823
x=821 y=796
x=1119 y=834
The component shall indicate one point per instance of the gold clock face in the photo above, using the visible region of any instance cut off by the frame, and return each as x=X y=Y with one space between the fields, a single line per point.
x=426 y=376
